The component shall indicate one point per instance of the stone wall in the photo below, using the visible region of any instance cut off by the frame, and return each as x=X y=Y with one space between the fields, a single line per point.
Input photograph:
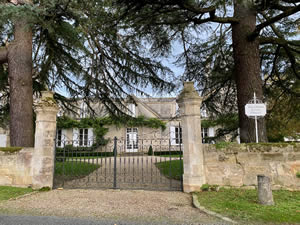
x=34 y=166
x=239 y=165
x=15 y=168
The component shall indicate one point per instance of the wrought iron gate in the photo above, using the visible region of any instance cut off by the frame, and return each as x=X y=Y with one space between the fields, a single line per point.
x=154 y=165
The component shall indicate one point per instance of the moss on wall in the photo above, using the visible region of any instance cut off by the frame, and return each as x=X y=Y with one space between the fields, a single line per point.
x=10 y=149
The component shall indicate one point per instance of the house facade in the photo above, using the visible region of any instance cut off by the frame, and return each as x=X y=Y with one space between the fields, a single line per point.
x=133 y=138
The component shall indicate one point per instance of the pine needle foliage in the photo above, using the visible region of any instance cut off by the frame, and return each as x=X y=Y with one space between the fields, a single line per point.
x=203 y=29
x=80 y=48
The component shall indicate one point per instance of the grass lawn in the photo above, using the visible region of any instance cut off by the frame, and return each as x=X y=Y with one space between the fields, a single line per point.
x=175 y=166
x=74 y=169
x=12 y=192
x=242 y=205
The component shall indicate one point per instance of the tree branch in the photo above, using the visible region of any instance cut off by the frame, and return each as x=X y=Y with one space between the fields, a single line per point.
x=216 y=20
x=272 y=40
x=281 y=7
x=291 y=1
x=273 y=20
x=3 y=55
x=198 y=10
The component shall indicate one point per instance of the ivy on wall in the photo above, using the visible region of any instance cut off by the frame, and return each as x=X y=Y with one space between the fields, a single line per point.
x=67 y=122
x=98 y=124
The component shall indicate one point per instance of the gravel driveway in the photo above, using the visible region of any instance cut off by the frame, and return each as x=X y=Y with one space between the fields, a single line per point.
x=147 y=207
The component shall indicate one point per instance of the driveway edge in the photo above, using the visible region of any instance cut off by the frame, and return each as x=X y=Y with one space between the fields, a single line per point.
x=196 y=204
x=23 y=196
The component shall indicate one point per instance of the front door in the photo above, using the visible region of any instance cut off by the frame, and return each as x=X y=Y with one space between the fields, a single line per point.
x=132 y=140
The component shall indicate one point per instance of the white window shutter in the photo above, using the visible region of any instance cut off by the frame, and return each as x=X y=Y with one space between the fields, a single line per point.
x=211 y=132
x=172 y=135
x=63 y=137
x=75 y=137
x=90 y=137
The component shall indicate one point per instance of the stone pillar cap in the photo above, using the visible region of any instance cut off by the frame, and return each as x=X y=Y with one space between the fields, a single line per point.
x=46 y=100
x=47 y=94
x=188 y=92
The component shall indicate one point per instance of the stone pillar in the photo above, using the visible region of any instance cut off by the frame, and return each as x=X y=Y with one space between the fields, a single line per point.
x=265 y=196
x=44 y=146
x=189 y=103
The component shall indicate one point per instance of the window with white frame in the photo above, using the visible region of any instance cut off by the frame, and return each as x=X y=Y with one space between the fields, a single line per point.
x=206 y=134
x=204 y=113
x=132 y=138
x=60 y=113
x=176 y=135
x=83 y=137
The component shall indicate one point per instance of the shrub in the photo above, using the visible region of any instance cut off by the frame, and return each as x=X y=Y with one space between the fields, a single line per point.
x=68 y=148
x=150 y=151
x=214 y=187
x=298 y=174
x=45 y=189
x=205 y=187
x=158 y=153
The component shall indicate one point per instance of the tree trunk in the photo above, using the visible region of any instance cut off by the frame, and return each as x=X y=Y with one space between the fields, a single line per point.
x=20 y=82
x=247 y=69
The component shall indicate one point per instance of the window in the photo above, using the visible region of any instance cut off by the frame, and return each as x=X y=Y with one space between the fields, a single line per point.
x=132 y=110
x=83 y=137
x=83 y=110
x=176 y=135
x=60 y=113
x=204 y=135
x=59 y=138
x=132 y=139
x=204 y=113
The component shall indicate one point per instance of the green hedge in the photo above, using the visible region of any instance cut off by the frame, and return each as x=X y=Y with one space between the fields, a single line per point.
x=168 y=153
x=62 y=154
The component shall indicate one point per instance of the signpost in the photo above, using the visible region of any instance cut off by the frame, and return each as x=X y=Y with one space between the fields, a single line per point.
x=254 y=109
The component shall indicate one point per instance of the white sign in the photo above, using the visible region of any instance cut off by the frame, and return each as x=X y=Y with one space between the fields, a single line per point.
x=259 y=109
x=2 y=140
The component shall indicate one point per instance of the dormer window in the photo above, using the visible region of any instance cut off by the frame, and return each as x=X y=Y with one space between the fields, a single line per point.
x=132 y=110
x=204 y=113
x=83 y=110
